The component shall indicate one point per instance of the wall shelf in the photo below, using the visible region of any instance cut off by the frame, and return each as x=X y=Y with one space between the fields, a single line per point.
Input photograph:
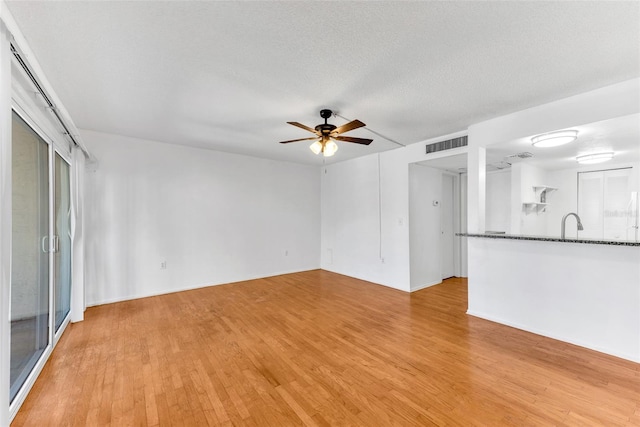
x=541 y=192
x=536 y=207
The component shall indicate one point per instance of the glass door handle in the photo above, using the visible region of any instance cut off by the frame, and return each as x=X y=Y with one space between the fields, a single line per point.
x=55 y=240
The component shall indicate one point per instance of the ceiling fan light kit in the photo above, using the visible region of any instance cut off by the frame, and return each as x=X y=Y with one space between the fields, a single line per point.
x=330 y=149
x=327 y=134
x=316 y=147
x=325 y=146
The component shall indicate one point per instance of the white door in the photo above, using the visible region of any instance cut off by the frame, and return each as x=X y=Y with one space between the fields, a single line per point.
x=446 y=227
x=603 y=204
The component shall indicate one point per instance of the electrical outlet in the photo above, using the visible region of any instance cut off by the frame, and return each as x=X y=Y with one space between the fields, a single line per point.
x=163 y=265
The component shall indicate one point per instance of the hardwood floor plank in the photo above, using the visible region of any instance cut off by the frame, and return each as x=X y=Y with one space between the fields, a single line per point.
x=302 y=414
x=318 y=348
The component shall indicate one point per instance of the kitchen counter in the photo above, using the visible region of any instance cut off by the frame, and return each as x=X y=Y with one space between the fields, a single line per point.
x=551 y=239
x=585 y=292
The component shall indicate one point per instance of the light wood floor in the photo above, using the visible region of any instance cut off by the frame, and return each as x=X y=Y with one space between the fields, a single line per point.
x=317 y=348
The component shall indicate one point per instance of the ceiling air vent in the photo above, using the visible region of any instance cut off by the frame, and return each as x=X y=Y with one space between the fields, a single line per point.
x=523 y=155
x=447 y=145
x=492 y=167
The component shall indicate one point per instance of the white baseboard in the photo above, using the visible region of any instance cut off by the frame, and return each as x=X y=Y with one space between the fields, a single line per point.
x=631 y=357
x=184 y=288
x=426 y=285
x=363 y=278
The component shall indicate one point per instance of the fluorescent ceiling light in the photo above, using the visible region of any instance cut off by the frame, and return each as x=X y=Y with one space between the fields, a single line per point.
x=554 y=139
x=590 y=159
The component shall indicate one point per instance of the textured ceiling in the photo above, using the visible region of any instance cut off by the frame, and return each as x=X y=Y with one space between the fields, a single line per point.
x=228 y=75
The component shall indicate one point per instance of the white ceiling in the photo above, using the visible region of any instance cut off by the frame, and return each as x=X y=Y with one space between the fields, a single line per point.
x=228 y=75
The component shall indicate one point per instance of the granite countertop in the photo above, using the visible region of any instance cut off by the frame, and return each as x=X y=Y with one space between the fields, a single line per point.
x=551 y=239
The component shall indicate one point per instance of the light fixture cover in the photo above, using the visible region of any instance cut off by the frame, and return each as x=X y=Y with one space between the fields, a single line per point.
x=590 y=159
x=554 y=139
x=330 y=149
x=316 y=147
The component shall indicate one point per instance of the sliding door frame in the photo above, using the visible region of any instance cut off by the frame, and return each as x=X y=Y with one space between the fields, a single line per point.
x=29 y=113
x=56 y=334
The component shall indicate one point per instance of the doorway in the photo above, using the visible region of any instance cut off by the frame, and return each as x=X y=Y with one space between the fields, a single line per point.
x=437 y=212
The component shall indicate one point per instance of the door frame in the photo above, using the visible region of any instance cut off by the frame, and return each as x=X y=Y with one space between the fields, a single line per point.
x=459 y=258
x=446 y=256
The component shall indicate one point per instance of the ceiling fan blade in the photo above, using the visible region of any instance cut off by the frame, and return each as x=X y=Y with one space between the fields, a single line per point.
x=296 y=140
x=355 y=124
x=363 y=141
x=301 y=126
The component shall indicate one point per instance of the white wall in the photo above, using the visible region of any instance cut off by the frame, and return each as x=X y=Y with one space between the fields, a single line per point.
x=351 y=218
x=365 y=219
x=526 y=220
x=498 y=203
x=212 y=217
x=394 y=194
x=425 y=186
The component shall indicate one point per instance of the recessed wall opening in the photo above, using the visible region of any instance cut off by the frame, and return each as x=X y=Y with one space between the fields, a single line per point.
x=532 y=195
x=437 y=212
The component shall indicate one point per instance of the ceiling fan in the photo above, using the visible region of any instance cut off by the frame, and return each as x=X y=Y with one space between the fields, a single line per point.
x=327 y=134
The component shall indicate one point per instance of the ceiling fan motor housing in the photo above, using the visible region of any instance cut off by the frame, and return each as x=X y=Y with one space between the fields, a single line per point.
x=325 y=129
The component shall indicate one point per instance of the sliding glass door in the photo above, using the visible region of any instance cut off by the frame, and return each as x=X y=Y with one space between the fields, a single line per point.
x=30 y=245
x=62 y=241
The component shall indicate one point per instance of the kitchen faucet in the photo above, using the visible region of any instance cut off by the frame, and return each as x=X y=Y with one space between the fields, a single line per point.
x=564 y=220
